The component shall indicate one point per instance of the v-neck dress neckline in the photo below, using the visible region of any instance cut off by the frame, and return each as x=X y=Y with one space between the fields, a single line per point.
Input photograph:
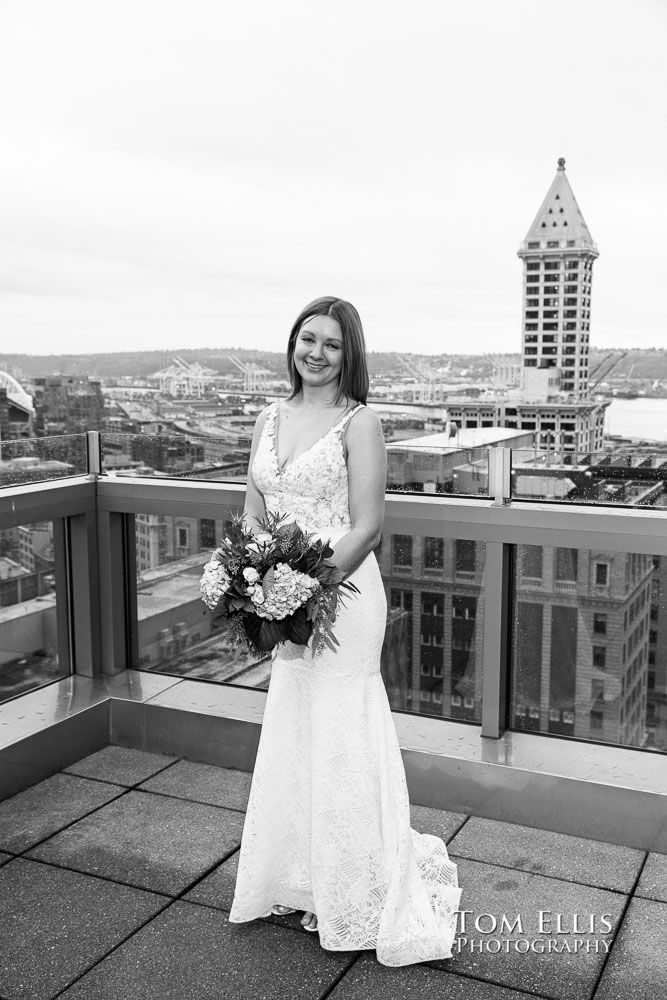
x=285 y=466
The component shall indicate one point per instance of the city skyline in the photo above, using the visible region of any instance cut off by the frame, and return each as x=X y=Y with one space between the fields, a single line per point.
x=192 y=178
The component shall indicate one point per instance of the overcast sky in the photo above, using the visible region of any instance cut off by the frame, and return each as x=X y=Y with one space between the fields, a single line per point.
x=185 y=173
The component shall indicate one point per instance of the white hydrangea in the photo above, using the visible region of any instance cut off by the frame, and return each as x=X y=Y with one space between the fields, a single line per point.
x=289 y=591
x=214 y=582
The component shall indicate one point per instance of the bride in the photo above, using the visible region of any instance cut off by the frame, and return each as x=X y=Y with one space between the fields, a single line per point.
x=327 y=827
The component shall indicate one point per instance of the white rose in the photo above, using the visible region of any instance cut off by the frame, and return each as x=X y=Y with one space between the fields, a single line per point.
x=257 y=596
x=251 y=574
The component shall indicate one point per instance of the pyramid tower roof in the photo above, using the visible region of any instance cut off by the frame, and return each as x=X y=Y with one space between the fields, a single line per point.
x=560 y=218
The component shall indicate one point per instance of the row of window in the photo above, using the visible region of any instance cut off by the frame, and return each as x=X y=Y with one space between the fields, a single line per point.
x=550 y=244
x=565 y=569
x=570 y=276
x=465 y=553
x=568 y=325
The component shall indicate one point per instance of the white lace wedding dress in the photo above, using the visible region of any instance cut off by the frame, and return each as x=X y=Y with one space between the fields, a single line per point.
x=327 y=827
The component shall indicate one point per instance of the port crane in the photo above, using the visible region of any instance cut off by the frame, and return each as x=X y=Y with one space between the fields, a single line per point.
x=181 y=378
x=428 y=387
x=254 y=377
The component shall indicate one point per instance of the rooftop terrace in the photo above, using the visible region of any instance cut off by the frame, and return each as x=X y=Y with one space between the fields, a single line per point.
x=123 y=790
x=118 y=874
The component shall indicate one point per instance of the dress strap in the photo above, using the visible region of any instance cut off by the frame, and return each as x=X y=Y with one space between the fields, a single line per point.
x=342 y=424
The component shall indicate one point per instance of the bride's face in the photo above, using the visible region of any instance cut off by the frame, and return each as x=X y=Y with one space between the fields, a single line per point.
x=318 y=351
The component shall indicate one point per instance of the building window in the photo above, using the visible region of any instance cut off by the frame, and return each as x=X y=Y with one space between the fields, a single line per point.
x=599 y=623
x=182 y=538
x=532 y=279
x=600 y=657
x=552 y=265
x=434 y=553
x=432 y=604
x=531 y=326
x=402 y=551
x=596 y=720
x=566 y=564
x=207 y=538
x=465 y=555
x=532 y=265
x=602 y=574
x=550 y=326
x=532 y=314
x=464 y=607
x=551 y=290
x=531 y=561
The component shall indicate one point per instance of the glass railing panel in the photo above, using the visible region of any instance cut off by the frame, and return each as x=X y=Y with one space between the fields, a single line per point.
x=432 y=653
x=412 y=466
x=175 y=635
x=216 y=458
x=33 y=460
x=431 y=465
x=634 y=476
x=28 y=623
x=589 y=651
x=433 y=650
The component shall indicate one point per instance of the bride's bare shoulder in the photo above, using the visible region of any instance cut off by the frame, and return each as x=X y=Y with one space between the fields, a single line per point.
x=364 y=428
x=365 y=420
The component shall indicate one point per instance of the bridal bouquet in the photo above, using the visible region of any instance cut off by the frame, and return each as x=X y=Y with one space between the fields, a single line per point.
x=273 y=586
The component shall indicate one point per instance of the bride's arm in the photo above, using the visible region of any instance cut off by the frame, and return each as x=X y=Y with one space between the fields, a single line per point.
x=253 y=507
x=367 y=476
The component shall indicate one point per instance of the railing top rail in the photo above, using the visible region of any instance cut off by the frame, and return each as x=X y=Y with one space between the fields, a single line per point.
x=45 y=500
x=632 y=529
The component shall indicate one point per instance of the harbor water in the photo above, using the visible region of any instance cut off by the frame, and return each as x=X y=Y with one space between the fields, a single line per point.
x=644 y=418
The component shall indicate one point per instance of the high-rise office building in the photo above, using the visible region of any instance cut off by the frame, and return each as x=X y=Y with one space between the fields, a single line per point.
x=558 y=254
x=554 y=398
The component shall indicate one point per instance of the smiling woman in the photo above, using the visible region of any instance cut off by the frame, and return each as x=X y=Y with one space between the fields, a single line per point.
x=327 y=829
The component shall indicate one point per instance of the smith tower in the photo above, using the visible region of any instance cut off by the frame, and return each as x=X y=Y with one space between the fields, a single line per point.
x=558 y=254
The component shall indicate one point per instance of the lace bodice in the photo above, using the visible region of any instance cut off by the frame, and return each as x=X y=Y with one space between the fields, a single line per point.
x=313 y=488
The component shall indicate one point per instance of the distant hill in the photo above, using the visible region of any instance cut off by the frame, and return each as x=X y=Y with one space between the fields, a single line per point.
x=650 y=363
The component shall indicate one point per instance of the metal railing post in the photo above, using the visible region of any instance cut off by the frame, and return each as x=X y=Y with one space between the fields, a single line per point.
x=500 y=470
x=495 y=661
x=93 y=453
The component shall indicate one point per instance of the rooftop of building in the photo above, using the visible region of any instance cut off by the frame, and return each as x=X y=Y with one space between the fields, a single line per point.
x=117 y=875
x=462 y=439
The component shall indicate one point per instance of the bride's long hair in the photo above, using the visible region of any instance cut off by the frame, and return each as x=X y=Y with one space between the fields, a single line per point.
x=353 y=382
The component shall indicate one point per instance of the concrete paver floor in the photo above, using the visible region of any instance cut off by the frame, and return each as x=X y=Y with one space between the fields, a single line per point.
x=116 y=879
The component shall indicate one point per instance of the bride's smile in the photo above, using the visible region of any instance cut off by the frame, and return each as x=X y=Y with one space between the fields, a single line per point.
x=318 y=351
